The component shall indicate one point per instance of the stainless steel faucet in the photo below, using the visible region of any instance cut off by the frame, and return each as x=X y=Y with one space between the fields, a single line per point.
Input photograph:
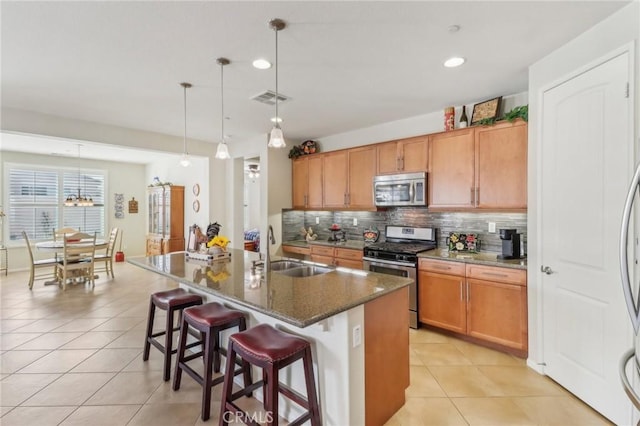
x=271 y=240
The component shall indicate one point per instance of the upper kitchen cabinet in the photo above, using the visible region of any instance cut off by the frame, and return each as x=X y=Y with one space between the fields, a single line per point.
x=362 y=169
x=403 y=156
x=451 y=170
x=335 y=185
x=501 y=166
x=166 y=219
x=348 y=178
x=307 y=182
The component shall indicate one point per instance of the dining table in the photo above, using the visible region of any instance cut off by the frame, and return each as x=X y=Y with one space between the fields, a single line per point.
x=58 y=245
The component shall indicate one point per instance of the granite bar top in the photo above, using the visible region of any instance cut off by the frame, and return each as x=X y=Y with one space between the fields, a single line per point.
x=349 y=244
x=297 y=301
x=486 y=258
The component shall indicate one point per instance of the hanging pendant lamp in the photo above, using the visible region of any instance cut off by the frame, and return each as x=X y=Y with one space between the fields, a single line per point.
x=276 y=138
x=78 y=200
x=222 y=152
x=185 y=161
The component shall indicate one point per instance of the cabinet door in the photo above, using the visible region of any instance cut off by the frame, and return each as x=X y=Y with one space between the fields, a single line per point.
x=451 y=173
x=501 y=166
x=353 y=264
x=175 y=213
x=362 y=169
x=497 y=313
x=442 y=301
x=314 y=193
x=334 y=177
x=388 y=161
x=413 y=154
x=326 y=260
x=300 y=182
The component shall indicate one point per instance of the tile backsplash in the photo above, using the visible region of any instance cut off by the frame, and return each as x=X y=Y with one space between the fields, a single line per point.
x=294 y=220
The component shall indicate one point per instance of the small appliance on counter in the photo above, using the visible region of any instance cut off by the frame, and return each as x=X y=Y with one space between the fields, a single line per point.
x=510 y=244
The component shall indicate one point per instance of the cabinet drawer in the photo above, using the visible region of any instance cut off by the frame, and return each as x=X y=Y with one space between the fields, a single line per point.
x=503 y=275
x=442 y=266
x=295 y=249
x=325 y=260
x=350 y=254
x=353 y=264
x=322 y=250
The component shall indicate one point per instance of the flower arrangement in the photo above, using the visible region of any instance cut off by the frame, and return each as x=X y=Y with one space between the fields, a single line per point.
x=218 y=241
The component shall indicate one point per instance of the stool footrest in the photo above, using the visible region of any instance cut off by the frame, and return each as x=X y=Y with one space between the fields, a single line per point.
x=238 y=410
x=293 y=395
x=300 y=420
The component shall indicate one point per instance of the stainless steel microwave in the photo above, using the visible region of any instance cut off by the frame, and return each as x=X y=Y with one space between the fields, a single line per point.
x=409 y=189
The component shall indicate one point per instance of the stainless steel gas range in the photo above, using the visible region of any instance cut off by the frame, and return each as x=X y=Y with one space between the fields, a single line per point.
x=399 y=256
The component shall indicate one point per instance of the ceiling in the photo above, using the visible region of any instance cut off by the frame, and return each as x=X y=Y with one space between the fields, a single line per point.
x=346 y=65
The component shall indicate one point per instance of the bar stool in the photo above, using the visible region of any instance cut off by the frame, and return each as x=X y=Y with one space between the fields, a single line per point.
x=270 y=349
x=170 y=301
x=209 y=319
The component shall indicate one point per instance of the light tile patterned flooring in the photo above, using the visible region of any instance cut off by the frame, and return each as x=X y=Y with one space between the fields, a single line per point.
x=74 y=358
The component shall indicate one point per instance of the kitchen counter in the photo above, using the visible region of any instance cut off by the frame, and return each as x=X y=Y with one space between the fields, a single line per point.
x=351 y=317
x=297 y=301
x=349 y=244
x=486 y=258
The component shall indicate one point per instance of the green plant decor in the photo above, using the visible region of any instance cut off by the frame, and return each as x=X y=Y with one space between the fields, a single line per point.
x=296 y=151
x=517 y=112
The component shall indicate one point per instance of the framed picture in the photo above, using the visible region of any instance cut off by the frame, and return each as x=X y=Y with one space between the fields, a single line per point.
x=486 y=109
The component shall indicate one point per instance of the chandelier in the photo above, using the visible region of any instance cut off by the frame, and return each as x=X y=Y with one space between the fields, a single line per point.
x=78 y=200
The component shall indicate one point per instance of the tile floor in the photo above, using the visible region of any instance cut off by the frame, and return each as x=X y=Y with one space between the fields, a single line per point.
x=74 y=358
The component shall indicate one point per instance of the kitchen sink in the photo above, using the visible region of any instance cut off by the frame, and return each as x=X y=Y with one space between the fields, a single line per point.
x=283 y=265
x=305 y=271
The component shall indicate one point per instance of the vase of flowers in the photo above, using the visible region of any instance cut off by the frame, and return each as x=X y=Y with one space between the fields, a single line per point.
x=217 y=246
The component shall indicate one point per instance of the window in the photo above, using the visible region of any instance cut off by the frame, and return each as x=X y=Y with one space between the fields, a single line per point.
x=36 y=201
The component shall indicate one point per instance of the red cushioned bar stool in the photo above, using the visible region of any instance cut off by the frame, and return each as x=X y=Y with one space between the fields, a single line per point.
x=209 y=319
x=270 y=349
x=170 y=301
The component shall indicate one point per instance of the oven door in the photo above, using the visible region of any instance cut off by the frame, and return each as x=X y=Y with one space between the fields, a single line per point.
x=398 y=269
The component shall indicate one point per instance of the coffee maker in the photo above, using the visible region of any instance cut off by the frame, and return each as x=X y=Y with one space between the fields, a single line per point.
x=510 y=244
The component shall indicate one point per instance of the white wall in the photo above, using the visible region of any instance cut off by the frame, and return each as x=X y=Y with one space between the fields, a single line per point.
x=614 y=32
x=128 y=179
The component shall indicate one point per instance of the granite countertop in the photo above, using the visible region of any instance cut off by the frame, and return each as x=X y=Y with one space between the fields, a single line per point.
x=297 y=301
x=483 y=258
x=349 y=244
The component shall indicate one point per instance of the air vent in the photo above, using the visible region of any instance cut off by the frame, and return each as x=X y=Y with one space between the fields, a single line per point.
x=268 y=97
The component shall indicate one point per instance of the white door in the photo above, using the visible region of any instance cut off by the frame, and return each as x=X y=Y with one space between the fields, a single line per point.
x=586 y=169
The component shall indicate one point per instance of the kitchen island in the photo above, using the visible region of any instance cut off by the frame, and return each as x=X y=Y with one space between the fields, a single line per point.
x=356 y=321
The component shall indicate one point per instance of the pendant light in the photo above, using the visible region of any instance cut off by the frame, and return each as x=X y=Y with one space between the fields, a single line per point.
x=276 y=138
x=222 y=152
x=185 y=161
x=78 y=200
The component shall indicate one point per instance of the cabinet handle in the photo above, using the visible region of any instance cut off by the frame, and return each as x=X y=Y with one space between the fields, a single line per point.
x=495 y=274
x=398 y=163
x=442 y=268
x=461 y=293
x=468 y=293
x=344 y=199
x=473 y=198
x=478 y=196
x=401 y=163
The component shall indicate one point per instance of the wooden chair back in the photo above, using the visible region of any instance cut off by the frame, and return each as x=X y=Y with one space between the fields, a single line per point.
x=78 y=255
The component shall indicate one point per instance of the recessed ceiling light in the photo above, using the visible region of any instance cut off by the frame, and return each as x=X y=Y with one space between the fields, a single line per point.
x=453 y=62
x=276 y=120
x=262 y=64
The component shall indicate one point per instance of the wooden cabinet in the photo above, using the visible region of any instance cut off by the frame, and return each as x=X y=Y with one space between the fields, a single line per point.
x=348 y=179
x=165 y=232
x=484 y=302
x=501 y=166
x=441 y=295
x=451 y=170
x=337 y=256
x=497 y=305
x=479 y=168
x=307 y=182
x=403 y=156
x=306 y=251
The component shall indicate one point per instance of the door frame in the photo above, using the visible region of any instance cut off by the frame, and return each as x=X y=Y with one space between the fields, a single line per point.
x=535 y=358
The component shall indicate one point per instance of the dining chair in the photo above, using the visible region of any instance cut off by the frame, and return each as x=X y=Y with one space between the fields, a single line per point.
x=77 y=258
x=40 y=264
x=106 y=259
x=59 y=233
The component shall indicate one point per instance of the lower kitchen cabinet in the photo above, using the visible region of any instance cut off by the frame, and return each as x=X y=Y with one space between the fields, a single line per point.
x=337 y=256
x=484 y=302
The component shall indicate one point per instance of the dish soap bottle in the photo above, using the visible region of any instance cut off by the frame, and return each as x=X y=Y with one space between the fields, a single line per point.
x=464 y=122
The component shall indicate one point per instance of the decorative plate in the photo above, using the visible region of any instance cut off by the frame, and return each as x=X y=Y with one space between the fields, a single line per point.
x=196 y=189
x=371 y=234
x=196 y=206
x=463 y=242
